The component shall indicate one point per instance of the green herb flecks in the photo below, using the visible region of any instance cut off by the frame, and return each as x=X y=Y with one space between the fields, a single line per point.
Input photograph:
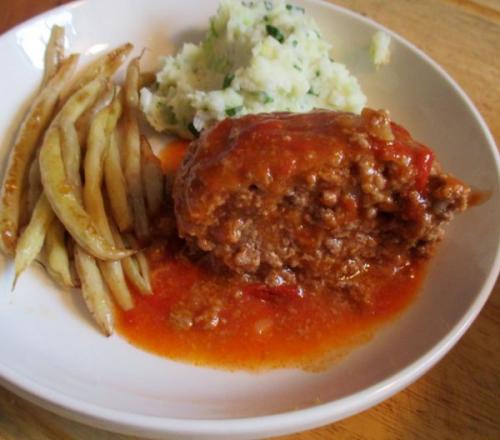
x=274 y=32
x=290 y=7
x=228 y=79
x=266 y=98
x=312 y=92
x=233 y=111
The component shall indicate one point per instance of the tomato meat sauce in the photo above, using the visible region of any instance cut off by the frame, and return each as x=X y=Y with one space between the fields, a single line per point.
x=296 y=235
x=171 y=156
x=199 y=316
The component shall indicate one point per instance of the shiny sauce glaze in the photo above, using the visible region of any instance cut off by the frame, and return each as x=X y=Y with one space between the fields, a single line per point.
x=205 y=317
x=308 y=198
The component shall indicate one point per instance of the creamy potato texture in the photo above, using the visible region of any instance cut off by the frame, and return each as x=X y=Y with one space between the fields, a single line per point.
x=257 y=56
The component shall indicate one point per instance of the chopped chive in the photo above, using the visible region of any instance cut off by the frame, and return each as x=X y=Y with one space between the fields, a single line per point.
x=193 y=130
x=228 y=79
x=234 y=110
x=274 y=32
x=267 y=98
x=290 y=7
x=295 y=43
x=268 y=5
x=318 y=73
x=297 y=67
x=312 y=92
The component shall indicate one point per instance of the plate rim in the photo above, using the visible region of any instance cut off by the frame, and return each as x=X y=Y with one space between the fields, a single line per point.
x=287 y=421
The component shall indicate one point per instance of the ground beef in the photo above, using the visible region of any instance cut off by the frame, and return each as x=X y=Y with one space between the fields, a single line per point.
x=298 y=198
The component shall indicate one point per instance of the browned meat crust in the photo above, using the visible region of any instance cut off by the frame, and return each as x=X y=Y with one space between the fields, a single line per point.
x=307 y=197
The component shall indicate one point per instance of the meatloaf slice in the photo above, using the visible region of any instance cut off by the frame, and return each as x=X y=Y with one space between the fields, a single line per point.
x=298 y=197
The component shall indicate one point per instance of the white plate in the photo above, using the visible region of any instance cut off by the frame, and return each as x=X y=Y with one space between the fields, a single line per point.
x=51 y=352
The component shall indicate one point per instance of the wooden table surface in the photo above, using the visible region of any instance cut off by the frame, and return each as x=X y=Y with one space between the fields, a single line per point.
x=460 y=397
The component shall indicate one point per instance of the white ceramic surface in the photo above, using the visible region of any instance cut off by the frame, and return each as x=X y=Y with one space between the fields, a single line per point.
x=51 y=353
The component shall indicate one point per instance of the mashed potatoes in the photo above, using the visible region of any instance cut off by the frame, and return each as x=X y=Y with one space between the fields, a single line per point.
x=258 y=56
x=380 y=49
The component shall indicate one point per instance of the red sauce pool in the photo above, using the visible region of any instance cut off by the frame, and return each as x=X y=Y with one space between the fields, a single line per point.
x=171 y=156
x=255 y=331
x=254 y=327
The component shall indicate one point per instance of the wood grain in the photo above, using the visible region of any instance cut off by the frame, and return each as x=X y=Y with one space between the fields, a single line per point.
x=460 y=397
